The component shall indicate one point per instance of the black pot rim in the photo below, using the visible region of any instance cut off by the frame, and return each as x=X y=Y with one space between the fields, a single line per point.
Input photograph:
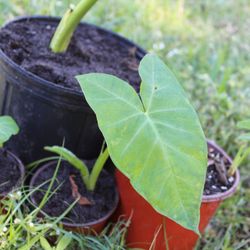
x=229 y=192
x=46 y=83
x=68 y=224
x=22 y=174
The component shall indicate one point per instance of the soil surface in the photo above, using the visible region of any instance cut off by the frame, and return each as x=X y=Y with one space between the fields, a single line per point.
x=217 y=180
x=90 y=50
x=10 y=172
x=102 y=199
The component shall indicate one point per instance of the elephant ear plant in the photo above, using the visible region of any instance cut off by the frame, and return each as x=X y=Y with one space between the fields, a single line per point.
x=154 y=138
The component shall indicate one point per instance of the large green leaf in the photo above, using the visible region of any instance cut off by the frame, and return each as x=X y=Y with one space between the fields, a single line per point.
x=155 y=140
x=8 y=127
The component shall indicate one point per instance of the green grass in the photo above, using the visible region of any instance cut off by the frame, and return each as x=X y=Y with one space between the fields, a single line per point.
x=207 y=44
x=22 y=228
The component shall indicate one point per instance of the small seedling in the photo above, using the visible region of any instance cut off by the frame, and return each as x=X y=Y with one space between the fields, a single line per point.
x=62 y=244
x=244 y=150
x=88 y=178
x=8 y=127
x=68 y=24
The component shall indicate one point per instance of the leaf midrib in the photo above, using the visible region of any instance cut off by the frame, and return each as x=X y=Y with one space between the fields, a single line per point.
x=170 y=166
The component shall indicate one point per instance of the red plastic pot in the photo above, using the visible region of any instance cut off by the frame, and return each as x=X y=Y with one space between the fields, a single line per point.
x=149 y=228
x=85 y=228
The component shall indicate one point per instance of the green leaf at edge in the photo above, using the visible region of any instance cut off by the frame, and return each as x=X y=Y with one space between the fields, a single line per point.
x=8 y=127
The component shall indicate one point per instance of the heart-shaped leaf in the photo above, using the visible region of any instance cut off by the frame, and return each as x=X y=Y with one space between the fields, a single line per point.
x=8 y=127
x=156 y=139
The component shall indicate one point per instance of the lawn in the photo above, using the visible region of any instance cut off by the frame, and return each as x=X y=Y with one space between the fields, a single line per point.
x=207 y=45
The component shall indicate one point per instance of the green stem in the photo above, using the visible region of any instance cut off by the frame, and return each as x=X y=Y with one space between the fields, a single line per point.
x=85 y=178
x=97 y=169
x=83 y=169
x=243 y=152
x=73 y=160
x=68 y=24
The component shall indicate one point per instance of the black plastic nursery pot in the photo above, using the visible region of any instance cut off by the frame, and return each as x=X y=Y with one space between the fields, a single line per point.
x=48 y=112
x=101 y=208
x=12 y=173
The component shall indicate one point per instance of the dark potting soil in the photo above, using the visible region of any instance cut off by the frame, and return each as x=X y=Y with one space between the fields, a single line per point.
x=10 y=172
x=90 y=50
x=102 y=199
x=217 y=180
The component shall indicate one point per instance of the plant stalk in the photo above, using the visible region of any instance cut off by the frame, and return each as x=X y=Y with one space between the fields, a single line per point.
x=243 y=152
x=99 y=164
x=68 y=24
x=73 y=160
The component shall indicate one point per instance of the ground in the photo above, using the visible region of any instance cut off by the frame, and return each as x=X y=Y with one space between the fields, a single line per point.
x=207 y=45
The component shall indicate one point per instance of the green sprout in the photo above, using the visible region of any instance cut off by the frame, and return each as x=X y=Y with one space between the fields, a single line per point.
x=88 y=178
x=68 y=24
x=62 y=244
x=8 y=127
x=244 y=150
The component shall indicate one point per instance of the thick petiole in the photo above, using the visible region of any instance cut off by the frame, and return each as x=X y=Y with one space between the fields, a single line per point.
x=68 y=24
x=98 y=166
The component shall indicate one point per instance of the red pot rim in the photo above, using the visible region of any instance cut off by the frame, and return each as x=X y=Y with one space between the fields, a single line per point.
x=231 y=191
x=21 y=178
x=68 y=224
